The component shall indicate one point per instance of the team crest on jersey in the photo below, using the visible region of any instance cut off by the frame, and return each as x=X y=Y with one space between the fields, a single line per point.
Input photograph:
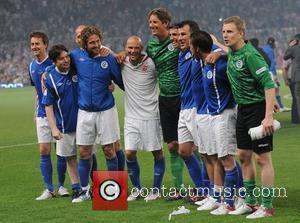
x=145 y=67
x=75 y=78
x=171 y=47
x=104 y=64
x=209 y=74
x=188 y=55
x=239 y=64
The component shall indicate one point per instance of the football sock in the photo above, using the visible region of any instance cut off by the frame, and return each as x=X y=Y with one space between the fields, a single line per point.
x=176 y=169
x=205 y=179
x=159 y=171
x=112 y=164
x=218 y=192
x=134 y=172
x=46 y=171
x=76 y=186
x=249 y=186
x=61 y=167
x=279 y=101
x=193 y=166
x=121 y=159
x=231 y=178
x=94 y=165
x=267 y=197
x=240 y=182
x=84 y=167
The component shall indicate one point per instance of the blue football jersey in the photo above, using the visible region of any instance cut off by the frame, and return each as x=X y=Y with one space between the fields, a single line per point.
x=94 y=77
x=197 y=87
x=217 y=87
x=184 y=69
x=36 y=69
x=62 y=93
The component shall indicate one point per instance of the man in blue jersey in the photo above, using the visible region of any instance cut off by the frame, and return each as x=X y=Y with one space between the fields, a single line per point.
x=104 y=51
x=61 y=98
x=39 y=43
x=97 y=116
x=221 y=128
x=187 y=132
x=269 y=49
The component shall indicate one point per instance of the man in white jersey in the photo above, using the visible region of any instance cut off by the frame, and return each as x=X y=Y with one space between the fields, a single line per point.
x=142 y=128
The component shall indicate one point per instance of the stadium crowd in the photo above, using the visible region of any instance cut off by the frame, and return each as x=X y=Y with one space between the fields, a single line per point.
x=120 y=19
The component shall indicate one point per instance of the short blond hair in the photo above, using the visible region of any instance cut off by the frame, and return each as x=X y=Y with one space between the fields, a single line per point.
x=238 y=21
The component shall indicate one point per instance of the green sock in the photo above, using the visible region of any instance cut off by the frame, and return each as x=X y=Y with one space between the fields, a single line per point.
x=249 y=186
x=177 y=169
x=267 y=197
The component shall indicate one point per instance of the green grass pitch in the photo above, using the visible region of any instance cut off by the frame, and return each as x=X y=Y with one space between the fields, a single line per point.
x=21 y=183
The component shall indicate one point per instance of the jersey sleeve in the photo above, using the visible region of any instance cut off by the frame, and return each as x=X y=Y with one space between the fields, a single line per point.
x=49 y=95
x=259 y=70
x=30 y=74
x=116 y=75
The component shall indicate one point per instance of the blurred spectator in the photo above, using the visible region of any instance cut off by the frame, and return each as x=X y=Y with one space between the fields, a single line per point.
x=120 y=19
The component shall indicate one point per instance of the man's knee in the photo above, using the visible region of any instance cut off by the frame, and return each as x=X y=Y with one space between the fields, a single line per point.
x=185 y=149
x=109 y=151
x=45 y=148
x=130 y=155
x=245 y=156
x=85 y=152
x=173 y=146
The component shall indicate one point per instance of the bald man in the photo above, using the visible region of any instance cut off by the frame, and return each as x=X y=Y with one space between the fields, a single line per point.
x=142 y=128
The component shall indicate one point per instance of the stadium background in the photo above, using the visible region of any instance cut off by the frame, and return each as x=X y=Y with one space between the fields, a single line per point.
x=20 y=180
x=120 y=18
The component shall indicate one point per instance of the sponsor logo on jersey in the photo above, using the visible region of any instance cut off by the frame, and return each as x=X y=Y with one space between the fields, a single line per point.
x=188 y=55
x=171 y=47
x=75 y=78
x=260 y=70
x=81 y=59
x=209 y=74
x=239 y=64
x=104 y=64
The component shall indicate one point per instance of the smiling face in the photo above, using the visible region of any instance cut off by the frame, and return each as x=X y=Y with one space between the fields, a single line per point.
x=157 y=27
x=93 y=45
x=38 y=47
x=174 y=37
x=63 y=62
x=232 y=36
x=134 y=49
x=184 y=35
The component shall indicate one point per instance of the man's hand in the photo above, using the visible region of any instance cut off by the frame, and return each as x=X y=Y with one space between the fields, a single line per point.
x=104 y=51
x=121 y=57
x=213 y=57
x=43 y=80
x=111 y=87
x=267 y=124
x=57 y=134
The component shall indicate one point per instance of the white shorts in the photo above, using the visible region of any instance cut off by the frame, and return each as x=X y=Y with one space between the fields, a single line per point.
x=142 y=134
x=187 y=127
x=103 y=126
x=223 y=136
x=203 y=132
x=67 y=145
x=43 y=129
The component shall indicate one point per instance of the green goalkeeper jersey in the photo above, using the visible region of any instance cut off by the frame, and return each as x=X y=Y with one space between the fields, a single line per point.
x=165 y=58
x=248 y=74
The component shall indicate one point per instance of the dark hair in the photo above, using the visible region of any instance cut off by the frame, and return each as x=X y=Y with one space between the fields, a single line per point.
x=162 y=14
x=87 y=32
x=56 y=50
x=192 y=24
x=271 y=40
x=202 y=40
x=254 y=42
x=173 y=26
x=41 y=35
